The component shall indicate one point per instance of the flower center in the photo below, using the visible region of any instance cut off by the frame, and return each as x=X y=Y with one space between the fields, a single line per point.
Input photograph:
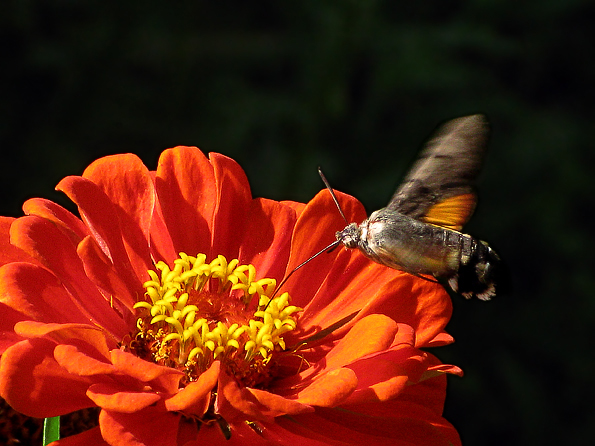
x=198 y=312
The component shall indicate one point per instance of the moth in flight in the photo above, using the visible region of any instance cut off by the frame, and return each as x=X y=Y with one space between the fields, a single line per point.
x=419 y=231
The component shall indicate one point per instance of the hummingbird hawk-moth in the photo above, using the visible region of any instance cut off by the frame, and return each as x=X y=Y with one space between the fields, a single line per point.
x=419 y=230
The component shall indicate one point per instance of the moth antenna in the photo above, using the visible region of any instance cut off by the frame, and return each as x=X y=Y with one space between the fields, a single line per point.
x=328 y=248
x=330 y=189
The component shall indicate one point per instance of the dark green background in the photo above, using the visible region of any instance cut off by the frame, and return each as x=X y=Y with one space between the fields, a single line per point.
x=356 y=87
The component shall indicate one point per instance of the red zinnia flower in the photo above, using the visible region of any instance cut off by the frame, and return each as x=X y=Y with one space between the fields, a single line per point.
x=158 y=306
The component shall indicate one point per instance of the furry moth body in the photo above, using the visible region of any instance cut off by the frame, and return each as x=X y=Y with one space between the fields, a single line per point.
x=419 y=230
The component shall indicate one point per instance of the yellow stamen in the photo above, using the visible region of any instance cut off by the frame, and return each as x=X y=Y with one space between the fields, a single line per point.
x=199 y=312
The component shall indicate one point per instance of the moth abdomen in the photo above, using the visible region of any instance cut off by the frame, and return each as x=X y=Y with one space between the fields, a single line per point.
x=478 y=270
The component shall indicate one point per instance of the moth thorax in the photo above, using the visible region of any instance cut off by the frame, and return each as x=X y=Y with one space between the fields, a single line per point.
x=350 y=236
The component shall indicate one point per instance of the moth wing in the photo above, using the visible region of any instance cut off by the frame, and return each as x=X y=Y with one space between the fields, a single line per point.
x=451 y=213
x=440 y=187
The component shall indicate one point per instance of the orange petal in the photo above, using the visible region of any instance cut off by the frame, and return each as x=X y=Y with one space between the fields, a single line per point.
x=407 y=299
x=233 y=200
x=162 y=247
x=320 y=213
x=388 y=423
x=293 y=434
x=119 y=398
x=330 y=389
x=195 y=397
x=440 y=369
x=235 y=403
x=111 y=228
x=432 y=427
x=296 y=206
x=8 y=252
x=152 y=426
x=185 y=185
x=267 y=239
x=277 y=405
x=71 y=224
x=352 y=283
x=423 y=305
x=33 y=383
x=43 y=240
x=128 y=184
x=79 y=363
x=374 y=333
x=79 y=334
x=145 y=371
x=7 y=321
x=384 y=376
x=432 y=392
x=38 y=293
x=123 y=294
x=441 y=339
x=32 y=292
x=89 y=437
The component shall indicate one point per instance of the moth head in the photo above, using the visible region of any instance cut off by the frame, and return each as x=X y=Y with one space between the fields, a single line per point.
x=350 y=236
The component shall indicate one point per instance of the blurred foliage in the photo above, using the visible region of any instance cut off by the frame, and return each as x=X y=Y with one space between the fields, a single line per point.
x=354 y=86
